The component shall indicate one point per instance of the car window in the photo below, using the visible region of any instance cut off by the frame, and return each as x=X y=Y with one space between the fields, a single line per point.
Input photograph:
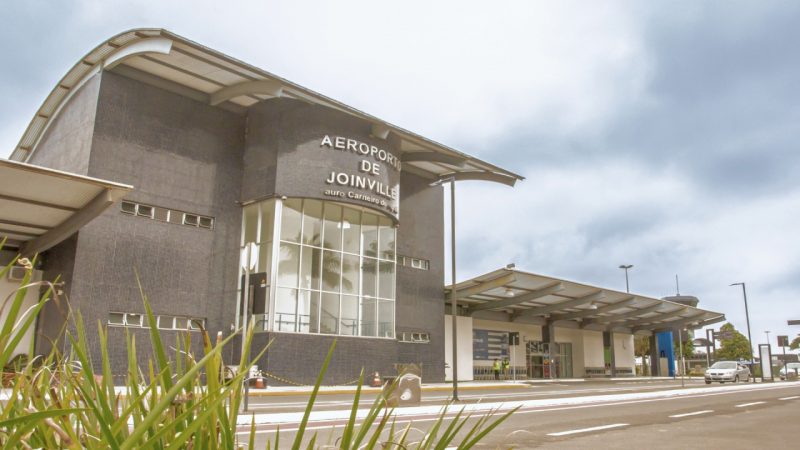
x=724 y=365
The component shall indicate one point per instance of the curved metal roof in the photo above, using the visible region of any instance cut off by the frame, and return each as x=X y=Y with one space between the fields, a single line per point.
x=528 y=296
x=173 y=62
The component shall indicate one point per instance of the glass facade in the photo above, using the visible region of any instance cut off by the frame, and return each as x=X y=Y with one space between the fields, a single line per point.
x=335 y=268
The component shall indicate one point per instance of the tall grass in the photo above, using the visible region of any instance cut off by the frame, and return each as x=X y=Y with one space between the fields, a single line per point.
x=179 y=400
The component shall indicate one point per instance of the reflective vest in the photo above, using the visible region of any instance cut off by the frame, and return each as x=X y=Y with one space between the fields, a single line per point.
x=496 y=366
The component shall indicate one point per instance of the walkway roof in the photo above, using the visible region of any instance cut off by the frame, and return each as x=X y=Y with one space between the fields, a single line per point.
x=41 y=207
x=172 y=62
x=523 y=296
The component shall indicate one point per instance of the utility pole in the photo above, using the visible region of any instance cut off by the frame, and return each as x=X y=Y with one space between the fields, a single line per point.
x=747 y=316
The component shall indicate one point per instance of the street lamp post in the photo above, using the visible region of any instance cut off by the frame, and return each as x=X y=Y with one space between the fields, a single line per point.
x=626 y=267
x=452 y=178
x=747 y=316
x=767 y=333
x=453 y=292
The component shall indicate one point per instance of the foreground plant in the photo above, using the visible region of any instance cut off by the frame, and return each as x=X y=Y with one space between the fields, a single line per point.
x=177 y=401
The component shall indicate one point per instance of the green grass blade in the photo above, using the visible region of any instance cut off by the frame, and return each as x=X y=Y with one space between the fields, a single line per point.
x=351 y=423
x=30 y=421
x=301 y=429
x=252 y=441
x=166 y=398
x=376 y=434
x=485 y=431
x=155 y=339
x=449 y=433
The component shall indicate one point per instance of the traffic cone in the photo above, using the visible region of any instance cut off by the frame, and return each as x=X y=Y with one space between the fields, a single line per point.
x=376 y=380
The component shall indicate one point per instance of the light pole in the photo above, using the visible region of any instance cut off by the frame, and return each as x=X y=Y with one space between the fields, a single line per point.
x=453 y=290
x=747 y=316
x=452 y=178
x=626 y=267
x=767 y=333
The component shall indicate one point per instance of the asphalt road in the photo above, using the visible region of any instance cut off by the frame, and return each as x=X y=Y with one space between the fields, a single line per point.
x=760 y=417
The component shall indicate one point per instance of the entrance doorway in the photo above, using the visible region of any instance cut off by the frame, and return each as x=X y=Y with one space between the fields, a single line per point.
x=548 y=360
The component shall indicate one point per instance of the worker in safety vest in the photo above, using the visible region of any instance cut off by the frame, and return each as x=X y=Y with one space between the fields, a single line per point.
x=496 y=368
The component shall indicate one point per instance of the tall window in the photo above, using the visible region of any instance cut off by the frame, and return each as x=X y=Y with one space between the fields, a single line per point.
x=257 y=227
x=335 y=269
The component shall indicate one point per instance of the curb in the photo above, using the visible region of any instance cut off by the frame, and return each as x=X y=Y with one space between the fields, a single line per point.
x=367 y=389
x=444 y=388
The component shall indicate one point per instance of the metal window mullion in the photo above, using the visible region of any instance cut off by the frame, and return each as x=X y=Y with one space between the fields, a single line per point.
x=299 y=268
x=273 y=275
x=258 y=224
x=237 y=319
x=319 y=290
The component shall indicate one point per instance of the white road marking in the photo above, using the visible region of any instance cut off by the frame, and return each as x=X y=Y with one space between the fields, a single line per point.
x=696 y=413
x=586 y=430
x=790 y=398
x=749 y=404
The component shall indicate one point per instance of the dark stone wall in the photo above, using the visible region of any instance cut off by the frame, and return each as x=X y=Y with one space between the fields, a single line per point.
x=178 y=154
x=58 y=263
x=188 y=156
x=67 y=143
x=284 y=155
x=420 y=293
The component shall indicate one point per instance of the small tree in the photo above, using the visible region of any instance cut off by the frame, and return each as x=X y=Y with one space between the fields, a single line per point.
x=688 y=349
x=735 y=348
x=795 y=344
x=641 y=346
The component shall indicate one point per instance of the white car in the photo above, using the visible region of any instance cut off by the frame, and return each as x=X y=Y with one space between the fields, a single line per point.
x=723 y=371
x=792 y=366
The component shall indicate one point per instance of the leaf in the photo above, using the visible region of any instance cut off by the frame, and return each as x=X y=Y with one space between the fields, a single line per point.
x=298 y=439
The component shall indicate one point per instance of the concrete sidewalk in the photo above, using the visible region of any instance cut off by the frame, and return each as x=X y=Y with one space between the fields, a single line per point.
x=418 y=412
x=442 y=387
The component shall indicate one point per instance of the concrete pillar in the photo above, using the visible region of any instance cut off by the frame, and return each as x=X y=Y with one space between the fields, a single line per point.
x=655 y=363
x=613 y=356
x=548 y=333
x=549 y=337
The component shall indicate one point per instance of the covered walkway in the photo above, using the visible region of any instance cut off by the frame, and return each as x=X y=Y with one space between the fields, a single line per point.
x=566 y=329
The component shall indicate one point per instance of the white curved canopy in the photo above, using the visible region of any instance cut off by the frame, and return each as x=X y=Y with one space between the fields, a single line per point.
x=525 y=296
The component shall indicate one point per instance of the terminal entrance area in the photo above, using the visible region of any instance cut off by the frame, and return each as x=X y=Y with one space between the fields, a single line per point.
x=548 y=360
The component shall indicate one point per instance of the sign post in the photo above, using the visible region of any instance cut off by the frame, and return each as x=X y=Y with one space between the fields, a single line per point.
x=513 y=342
x=783 y=342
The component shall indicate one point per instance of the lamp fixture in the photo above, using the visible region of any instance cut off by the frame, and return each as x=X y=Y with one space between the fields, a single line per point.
x=592 y=305
x=509 y=292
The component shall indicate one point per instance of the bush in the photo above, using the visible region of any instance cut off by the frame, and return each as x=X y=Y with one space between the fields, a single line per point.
x=178 y=401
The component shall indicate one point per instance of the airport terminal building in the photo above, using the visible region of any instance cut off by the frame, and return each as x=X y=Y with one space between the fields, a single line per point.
x=159 y=155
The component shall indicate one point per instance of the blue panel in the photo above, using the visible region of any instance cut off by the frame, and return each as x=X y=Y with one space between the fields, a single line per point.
x=667 y=349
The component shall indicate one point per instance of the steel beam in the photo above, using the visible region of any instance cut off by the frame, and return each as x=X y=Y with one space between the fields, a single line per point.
x=626 y=315
x=657 y=318
x=547 y=309
x=594 y=312
x=516 y=300
x=486 y=285
x=675 y=324
x=62 y=231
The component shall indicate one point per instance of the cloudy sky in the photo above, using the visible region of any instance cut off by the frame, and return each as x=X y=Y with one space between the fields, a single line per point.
x=658 y=134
